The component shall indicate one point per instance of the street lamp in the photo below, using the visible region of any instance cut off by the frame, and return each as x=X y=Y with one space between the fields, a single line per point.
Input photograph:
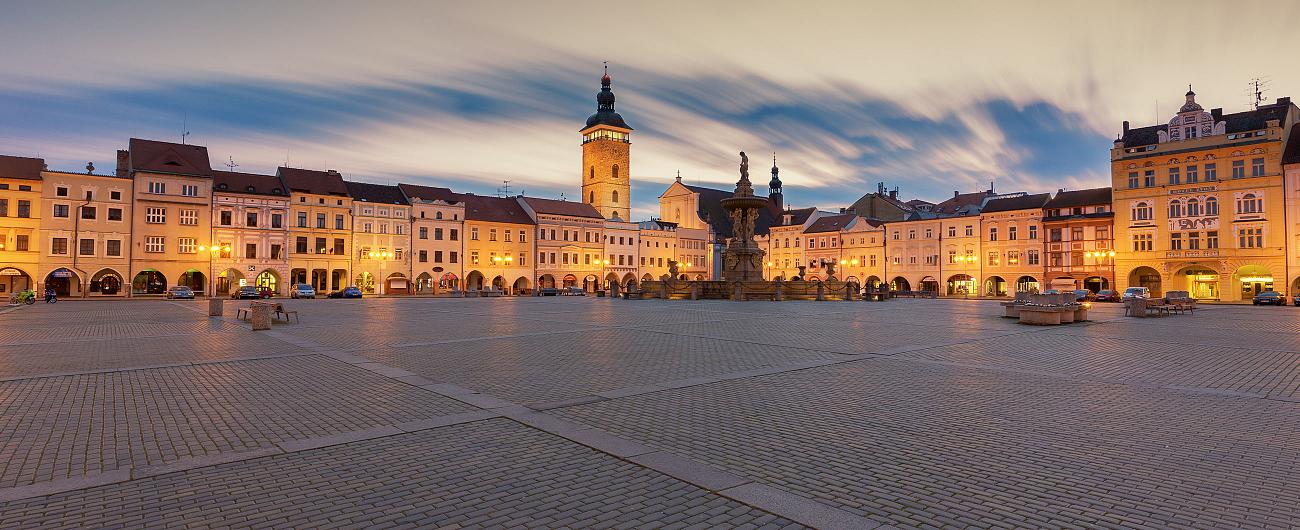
x=769 y=270
x=503 y=262
x=212 y=250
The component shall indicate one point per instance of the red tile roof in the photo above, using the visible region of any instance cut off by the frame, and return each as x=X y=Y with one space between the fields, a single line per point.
x=570 y=208
x=430 y=193
x=166 y=157
x=375 y=193
x=495 y=210
x=1072 y=198
x=830 y=223
x=1024 y=202
x=234 y=182
x=312 y=181
x=18 y=167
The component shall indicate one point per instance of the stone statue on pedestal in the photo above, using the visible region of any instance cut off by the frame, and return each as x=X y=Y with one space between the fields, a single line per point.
x=742 y=260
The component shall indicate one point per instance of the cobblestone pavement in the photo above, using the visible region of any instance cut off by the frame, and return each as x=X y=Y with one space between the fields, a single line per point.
x=587 y=412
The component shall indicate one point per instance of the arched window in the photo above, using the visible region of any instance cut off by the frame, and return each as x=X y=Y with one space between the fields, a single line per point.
x=1142 y=211
x=1193 y=208
x=591 y=172
x=615 y=172
x=591 y=197
x=615 y=194
x=437 y=215
x=1211 y=206
x=1175 y=209
x=1249 y=203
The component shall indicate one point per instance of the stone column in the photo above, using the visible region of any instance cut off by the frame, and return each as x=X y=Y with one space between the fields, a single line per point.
x=821 y=292
x=695 y=291
x=663 y=289
x=780 y=291
x=738 y=292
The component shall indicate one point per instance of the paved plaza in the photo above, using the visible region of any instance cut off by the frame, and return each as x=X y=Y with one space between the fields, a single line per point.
x=592 y=412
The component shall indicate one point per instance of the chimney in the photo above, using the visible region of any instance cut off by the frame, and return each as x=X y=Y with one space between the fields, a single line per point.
x=1060 y=190
x=893 y=194
x=1284 y=101
x=842 y=210
x=1217 y=114
x=123 y=163
x=955 y=193
x=332 y=172
x=1125 y=127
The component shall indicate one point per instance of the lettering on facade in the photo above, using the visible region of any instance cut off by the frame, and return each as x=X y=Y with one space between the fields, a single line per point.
x=1189 y=191
x=1187 y=223
x=1211 y=253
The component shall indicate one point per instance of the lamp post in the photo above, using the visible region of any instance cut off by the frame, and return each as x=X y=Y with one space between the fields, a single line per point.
x=768 y=273
x=212 y=250
x=1101 y=255
x=504 y=262
x=383 y=256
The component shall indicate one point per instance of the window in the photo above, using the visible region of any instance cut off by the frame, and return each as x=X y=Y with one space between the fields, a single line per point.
x=1011 y=233
x=1212 y=239
x=522 y=238
x=276 y=251
x=911 y=234
x=1175 y=176
x=436 y=215
x=437 y=256
x=993 y=233
x=473 y=233
x=113 y=247
x=1142 y=211
x=1238 y=169
x=250 y=219
x=993 y=258
x=339 y=247
x=1250 y=237
x=507 y=234
x=320 y=220
x=4 y=207
x=452 y=257
x=1250 y=204
x=154 y=244
x=115 y=195
x=189 y=190
x=157 y=188
x=1142 y=242
x=250 y=250
x=1103 y=233
x=86 y=247
x=300 y=245
x=61 y=191
x=367 y=227
x=424 y=232
x=277 y=220
x=970 y=230
x=338 y=222
x=1132 y=179
x=1149 y=178
x=1076 y=233
x=302 y=219
x=1175 y=241
x=1013 y=257
x=453 y=234
x=1175 y=209
x=1054 y=259
x=1257 y=167
x=189 y=217
x=155 y=216
x=615 y=197
x=60 y=210
x=473 y=257
x=59 y=245
x=225 y=218
x=21 y=243
x=1192 y=177
x=88 y=213
x=492 y=234
x=1054 y=235
x=952 y=231
x=1193 y=241
x=1211 y=172
x=929 y=234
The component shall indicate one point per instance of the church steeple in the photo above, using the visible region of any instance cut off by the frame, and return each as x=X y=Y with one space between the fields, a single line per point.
x=606 y=157
x=774 y=194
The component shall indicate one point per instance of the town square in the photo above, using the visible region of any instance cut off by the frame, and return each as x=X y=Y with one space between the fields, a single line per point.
x=669 y=265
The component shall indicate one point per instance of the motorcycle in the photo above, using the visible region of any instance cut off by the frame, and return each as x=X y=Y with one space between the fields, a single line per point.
x=26 y=297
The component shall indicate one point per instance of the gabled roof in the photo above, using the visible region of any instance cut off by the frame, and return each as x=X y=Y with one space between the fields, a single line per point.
x=1073 y=198
x=19 y=167
x=166 y=157
x=1024 y=202
x=798 y=216
x=429 y=193
x=555 y=207
x=375 y=193
x=1251 y=120
x=963 y=203
x=233 y=182
x=312 y=181
x=1292 y=155
x=495 y=210
x=830 y=223
x=712 y=212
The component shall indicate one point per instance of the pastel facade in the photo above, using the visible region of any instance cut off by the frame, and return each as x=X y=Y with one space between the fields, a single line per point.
x=171 y=220
x=320 y=228
x=1291 y=171
x=92 y=229
x=622 y=248
x=570 y=242
x=912 y=251
x=499 y=247
x=21 y=241
x=250 y=228
x=381 y=238
x=438 y=216
x=1012 y=245
x=1080 y=246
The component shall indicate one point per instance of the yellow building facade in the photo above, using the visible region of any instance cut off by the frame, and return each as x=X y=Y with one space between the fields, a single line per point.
x=250 y=217
x=20 y=221
x=1012 y=245
x=320 y=228
x=171 y=220
x=438 y=217
x=570 y=242
x=381 y=238
x=93 y=228
x=498 y=245
x=1199 y=202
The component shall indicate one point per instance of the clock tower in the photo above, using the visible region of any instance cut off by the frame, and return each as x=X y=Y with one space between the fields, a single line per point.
x=606 y=139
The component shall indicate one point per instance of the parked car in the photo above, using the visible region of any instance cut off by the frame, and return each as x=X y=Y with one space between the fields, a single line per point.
x=265 y=292
x=1083 y=295
x=302 y=290
x=1269 y=298
x=1136 y=292
x=1107 y=295
x=1051 y=291
x=180 y=292
x=247 y=292
x=350 y=291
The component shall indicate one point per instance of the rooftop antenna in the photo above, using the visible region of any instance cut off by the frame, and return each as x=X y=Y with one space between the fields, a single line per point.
x=562 y=198
x=185 y=120
x=231 y=163
x=504 y=190
x=1256 y=89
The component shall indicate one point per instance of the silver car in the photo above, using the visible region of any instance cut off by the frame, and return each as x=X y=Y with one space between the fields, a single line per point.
x=303 y=290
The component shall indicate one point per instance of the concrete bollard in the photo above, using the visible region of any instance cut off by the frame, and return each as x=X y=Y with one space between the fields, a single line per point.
x=261 y=317
x=780 y=291
x=695 y=291
x=216 y=307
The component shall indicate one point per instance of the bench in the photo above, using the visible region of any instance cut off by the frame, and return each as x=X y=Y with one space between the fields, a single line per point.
x=286 y=313
x=548 y=291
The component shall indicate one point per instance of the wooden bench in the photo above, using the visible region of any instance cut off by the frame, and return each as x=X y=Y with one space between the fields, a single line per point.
x=286 y=313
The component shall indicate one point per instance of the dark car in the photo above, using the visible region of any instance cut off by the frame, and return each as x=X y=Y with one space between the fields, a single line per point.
x=1107 y=295
x=348 y=292
x=180 y=292
x=1269 y=298
x=1083 y=295
x=1297 y=300
x=247 y=292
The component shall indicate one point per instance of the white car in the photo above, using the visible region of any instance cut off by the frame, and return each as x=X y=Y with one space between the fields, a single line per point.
x=1137 y=292
x=303 y=290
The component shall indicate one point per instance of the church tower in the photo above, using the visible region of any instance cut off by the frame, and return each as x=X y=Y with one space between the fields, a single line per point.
x=606 y=140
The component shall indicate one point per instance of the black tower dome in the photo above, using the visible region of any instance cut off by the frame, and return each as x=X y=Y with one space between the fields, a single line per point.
x=605 y=114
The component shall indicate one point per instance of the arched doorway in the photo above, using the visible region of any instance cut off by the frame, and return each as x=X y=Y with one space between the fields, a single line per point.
x=450 y=281
x=873 y=281
x=474 y=281
x=569 y=280
x=106 y=282
x=499 y=283
x=297 y=276
x=229 y=280
x=1028 y=284
x=930 y=285
x=63 y=281
x=899 y=283
x=14 y=280
x=396 y=283
x=1146 y=277
x=961 y=285
x=195 y=280
x=521 y=285
x=1095 y=284
x=337 y=277
x=995 y=286
x=1201 y=283
x=610 y=280
x=546 y=281
x=149 y=281
x=1252 y=280
x=647 y=278
x=270 y=280
x=629 y=282
x=424 y=283
x=366 y=282
x=589 y=283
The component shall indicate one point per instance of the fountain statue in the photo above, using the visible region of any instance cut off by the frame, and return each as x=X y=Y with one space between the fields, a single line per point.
x=742 y=259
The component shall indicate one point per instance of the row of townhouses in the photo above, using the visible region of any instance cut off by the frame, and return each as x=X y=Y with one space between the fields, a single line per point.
x=1208 y=202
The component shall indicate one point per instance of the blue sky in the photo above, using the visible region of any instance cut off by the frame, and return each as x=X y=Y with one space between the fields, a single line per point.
x=931 y=100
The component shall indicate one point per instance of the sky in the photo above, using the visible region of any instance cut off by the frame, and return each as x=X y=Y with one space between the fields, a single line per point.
x=926 y=96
